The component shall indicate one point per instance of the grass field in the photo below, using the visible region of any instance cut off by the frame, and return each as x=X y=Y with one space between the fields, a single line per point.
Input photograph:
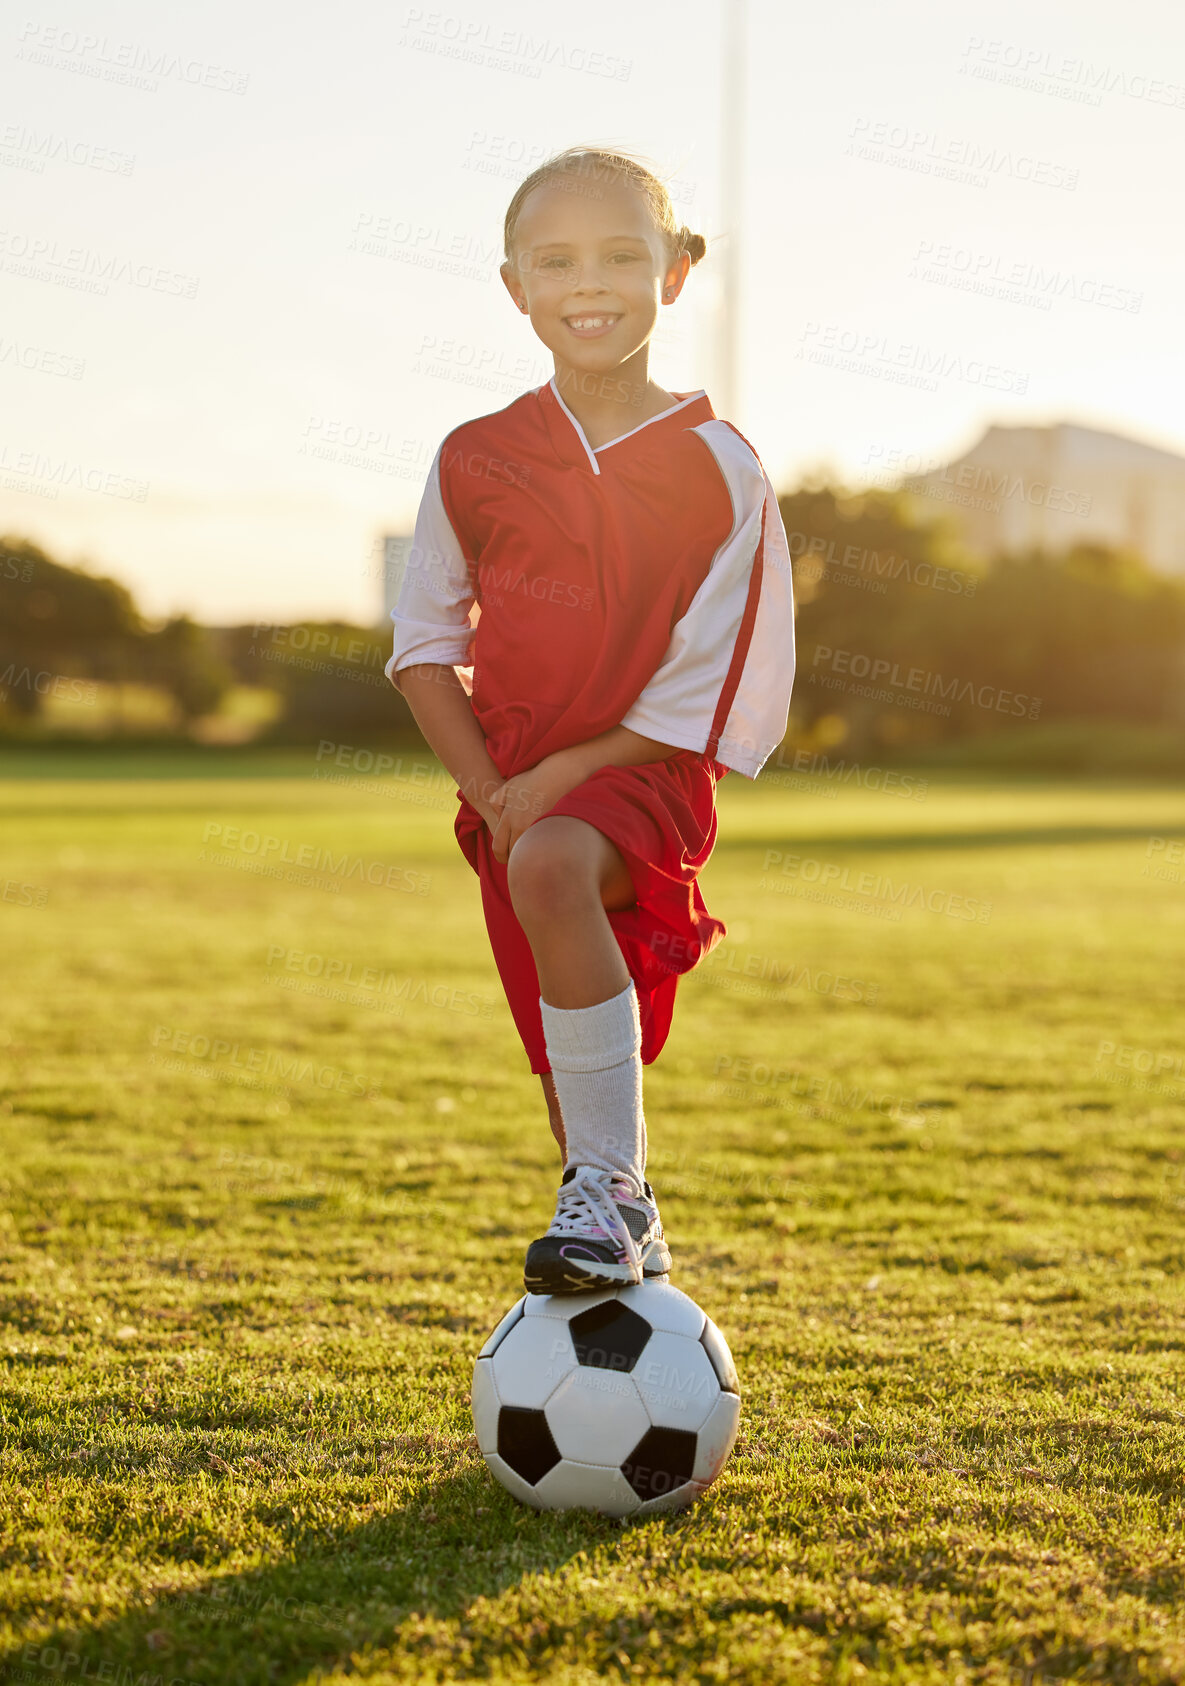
x=927 y=1172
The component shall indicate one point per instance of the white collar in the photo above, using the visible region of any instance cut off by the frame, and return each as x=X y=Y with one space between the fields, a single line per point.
x=580 y=434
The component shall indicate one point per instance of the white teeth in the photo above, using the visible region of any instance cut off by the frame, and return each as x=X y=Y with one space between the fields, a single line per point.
x=591 y=321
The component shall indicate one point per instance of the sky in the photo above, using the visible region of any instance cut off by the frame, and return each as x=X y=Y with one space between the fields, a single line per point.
x=249 y=254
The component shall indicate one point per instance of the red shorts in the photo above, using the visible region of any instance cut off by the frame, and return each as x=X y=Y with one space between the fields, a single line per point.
x=662 y=817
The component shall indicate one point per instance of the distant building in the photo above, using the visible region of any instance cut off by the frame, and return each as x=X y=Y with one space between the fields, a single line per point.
x=1052 y=487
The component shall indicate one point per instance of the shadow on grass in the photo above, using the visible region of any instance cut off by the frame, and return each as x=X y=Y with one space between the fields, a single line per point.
x=338 y=1590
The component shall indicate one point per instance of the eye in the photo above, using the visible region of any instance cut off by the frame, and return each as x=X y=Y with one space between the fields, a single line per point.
x=552 y=263
x=630 y=257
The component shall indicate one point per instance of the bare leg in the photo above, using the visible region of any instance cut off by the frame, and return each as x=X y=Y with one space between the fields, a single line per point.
x=563 y=885
x=563 y=874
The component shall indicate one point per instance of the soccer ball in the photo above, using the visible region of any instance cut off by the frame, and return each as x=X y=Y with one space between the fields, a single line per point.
x=622 y=1400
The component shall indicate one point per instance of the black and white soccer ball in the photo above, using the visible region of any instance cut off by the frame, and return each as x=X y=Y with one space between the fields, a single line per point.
x=623 y=1401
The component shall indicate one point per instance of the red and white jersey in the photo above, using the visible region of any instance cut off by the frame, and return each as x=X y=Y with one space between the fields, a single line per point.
x=646 y=583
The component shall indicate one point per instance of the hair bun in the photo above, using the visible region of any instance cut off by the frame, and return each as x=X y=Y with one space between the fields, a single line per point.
x=693 y=244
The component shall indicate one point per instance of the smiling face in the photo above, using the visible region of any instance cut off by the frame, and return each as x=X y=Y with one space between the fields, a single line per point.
x=592 y=269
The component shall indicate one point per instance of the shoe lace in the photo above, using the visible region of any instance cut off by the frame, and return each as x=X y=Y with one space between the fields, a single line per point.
x=589 y=1195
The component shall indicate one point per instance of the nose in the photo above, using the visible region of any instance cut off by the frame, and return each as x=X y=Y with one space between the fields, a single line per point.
x=589 y=281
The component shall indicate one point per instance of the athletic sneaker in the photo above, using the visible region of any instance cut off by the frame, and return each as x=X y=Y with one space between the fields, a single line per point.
x=604 y=1235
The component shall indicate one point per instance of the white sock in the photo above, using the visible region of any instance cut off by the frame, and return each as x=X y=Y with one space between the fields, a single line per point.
x=595 y=1054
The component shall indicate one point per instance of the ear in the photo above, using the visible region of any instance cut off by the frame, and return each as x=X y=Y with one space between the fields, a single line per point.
x=672 y=281
x=513 y=285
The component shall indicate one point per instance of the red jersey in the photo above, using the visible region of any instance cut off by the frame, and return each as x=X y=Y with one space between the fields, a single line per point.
x=646 y=583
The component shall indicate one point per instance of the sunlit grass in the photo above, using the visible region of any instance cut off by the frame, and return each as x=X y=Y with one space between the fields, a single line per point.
x=927 y=1172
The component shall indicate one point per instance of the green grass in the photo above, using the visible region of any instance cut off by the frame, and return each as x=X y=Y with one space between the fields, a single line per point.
x=242 y=1285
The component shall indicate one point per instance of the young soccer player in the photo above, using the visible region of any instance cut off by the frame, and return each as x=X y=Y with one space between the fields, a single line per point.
x=596 y=623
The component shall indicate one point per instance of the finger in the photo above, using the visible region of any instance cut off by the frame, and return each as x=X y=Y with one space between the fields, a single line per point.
x=515 y=826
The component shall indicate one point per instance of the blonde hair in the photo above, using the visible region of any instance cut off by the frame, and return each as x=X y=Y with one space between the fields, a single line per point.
x=600 y=164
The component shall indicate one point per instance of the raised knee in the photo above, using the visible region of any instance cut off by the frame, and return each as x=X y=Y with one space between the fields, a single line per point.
x=547 y=875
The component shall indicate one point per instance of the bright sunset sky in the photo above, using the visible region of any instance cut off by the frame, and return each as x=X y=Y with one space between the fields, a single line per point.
x=990 y=194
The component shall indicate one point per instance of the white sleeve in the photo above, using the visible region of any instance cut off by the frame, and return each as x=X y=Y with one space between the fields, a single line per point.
x=432 y=609
x=723 y=687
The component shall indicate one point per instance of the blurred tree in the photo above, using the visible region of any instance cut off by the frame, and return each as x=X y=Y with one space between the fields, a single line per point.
x=1090 y=633
x=181 y=658
x=58 y=621
x=330 y=675
x=900 y=639
x=894 y=614
x=875 y=590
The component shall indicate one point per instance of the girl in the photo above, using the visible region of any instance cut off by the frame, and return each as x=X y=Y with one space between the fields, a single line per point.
x=633 y=640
